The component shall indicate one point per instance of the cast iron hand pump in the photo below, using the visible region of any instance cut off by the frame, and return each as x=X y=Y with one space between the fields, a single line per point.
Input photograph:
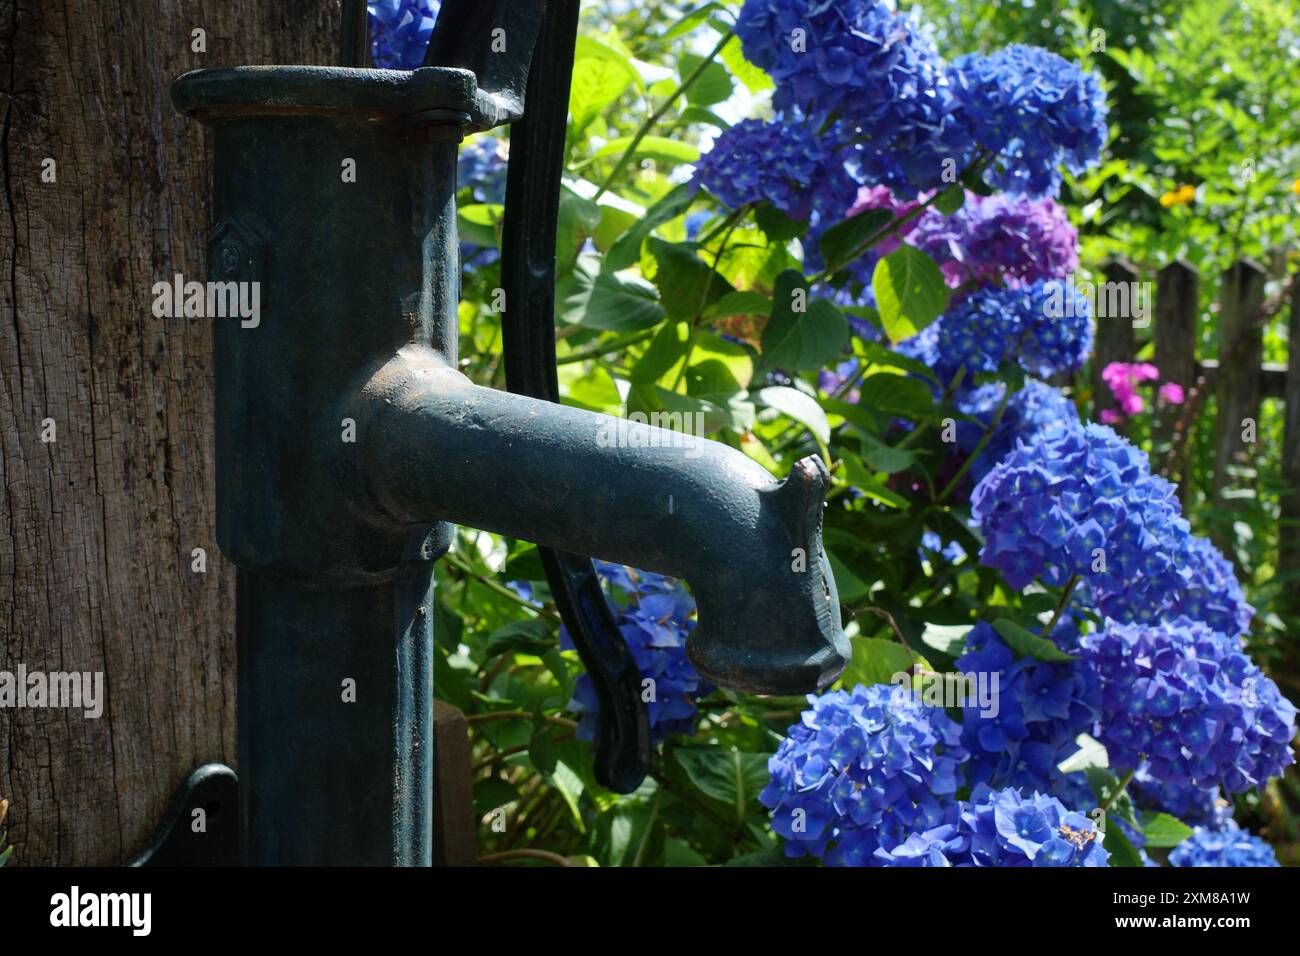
x=347 y=438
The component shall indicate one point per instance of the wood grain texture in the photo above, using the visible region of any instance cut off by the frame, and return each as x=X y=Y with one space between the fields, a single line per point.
x=97 y=527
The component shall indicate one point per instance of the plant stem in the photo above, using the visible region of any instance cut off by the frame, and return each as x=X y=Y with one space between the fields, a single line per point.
x=658 y=114
x=494 y=585
x=596 y=351
x=519 y=715
x=1060 y=605
x=1120 y=788
x=979 y=449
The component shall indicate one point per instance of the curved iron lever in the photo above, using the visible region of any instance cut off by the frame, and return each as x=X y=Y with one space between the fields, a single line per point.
x=528 y=322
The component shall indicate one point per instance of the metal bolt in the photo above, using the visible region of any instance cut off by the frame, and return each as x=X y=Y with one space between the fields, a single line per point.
x=232 y=254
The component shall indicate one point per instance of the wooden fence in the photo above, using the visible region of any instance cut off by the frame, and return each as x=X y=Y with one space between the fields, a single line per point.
x=1239 y=380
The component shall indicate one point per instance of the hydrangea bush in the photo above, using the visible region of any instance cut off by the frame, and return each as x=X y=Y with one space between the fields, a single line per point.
x=826 y=237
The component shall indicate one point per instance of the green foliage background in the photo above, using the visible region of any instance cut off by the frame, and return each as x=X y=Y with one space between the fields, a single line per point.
x=1196 y=88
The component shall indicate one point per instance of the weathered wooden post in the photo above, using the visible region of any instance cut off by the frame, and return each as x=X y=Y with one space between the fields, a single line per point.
x=1114 y=333
x=1177 y=311
x=1289 y=529
x=1237 y=387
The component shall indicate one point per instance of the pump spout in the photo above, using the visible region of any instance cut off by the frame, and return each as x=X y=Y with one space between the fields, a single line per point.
x=437 y=447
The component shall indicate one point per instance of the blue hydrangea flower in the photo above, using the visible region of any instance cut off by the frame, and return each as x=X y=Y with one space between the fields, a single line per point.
x=482 y=169
x=1231 y=846
x=655 y=615
x=1081 y=501
x=1034 y=111
x=952 y=552
x=997 y=324
x=1042 y=707
x=861 y=771
x=1213 y=593
x=873 y=69
x=1035 y=409
x=400 y=31
x=1187 y=699
x=1009 y=829
x=780 y=162
x=1195 y=805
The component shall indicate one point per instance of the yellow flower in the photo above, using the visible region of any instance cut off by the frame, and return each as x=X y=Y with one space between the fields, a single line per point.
x=1295 y=187
x=1178 y=197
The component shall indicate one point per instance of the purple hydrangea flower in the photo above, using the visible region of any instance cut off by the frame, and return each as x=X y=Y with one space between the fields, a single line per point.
x=1187 y=699
x=655 y=616
x=1231 y=846
x=400 y=31
x=860 y=771
x=1042 y=707
x=1034 y=111
x=999 y=240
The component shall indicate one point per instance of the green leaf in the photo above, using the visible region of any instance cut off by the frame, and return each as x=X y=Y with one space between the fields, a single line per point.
x=752 y=77
x=541 y=750
x=1104 y=784
x=739 y=303
x=896 y=395
x=612 y=301
x=776 y=225
x=493 y=794
x=656 y=147
x=692 y=19
x=686 y=282
x=1122 y=852
x=848 y=585
x=876 y=661
x=531 y=636
x=1164 y=831
x=803 y=332
x=883 y=457
x=728 y=776
x=667 y=348
x=479 y=223
x=677 y=852
x=594 y=390
x=679 y=409
x=712 y=86
x=802 y=408
x=951 y=199
x=577 y=220
x=949 y=639
x=840 y=241
x=910 y=292
x=635 y=830
x=600 y=76
x=627 y=249
x=1025 y=643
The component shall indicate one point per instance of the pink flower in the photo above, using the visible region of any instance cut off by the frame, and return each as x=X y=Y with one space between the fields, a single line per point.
x=1110 y=416
x=1172 y=393
x=1123 y=379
